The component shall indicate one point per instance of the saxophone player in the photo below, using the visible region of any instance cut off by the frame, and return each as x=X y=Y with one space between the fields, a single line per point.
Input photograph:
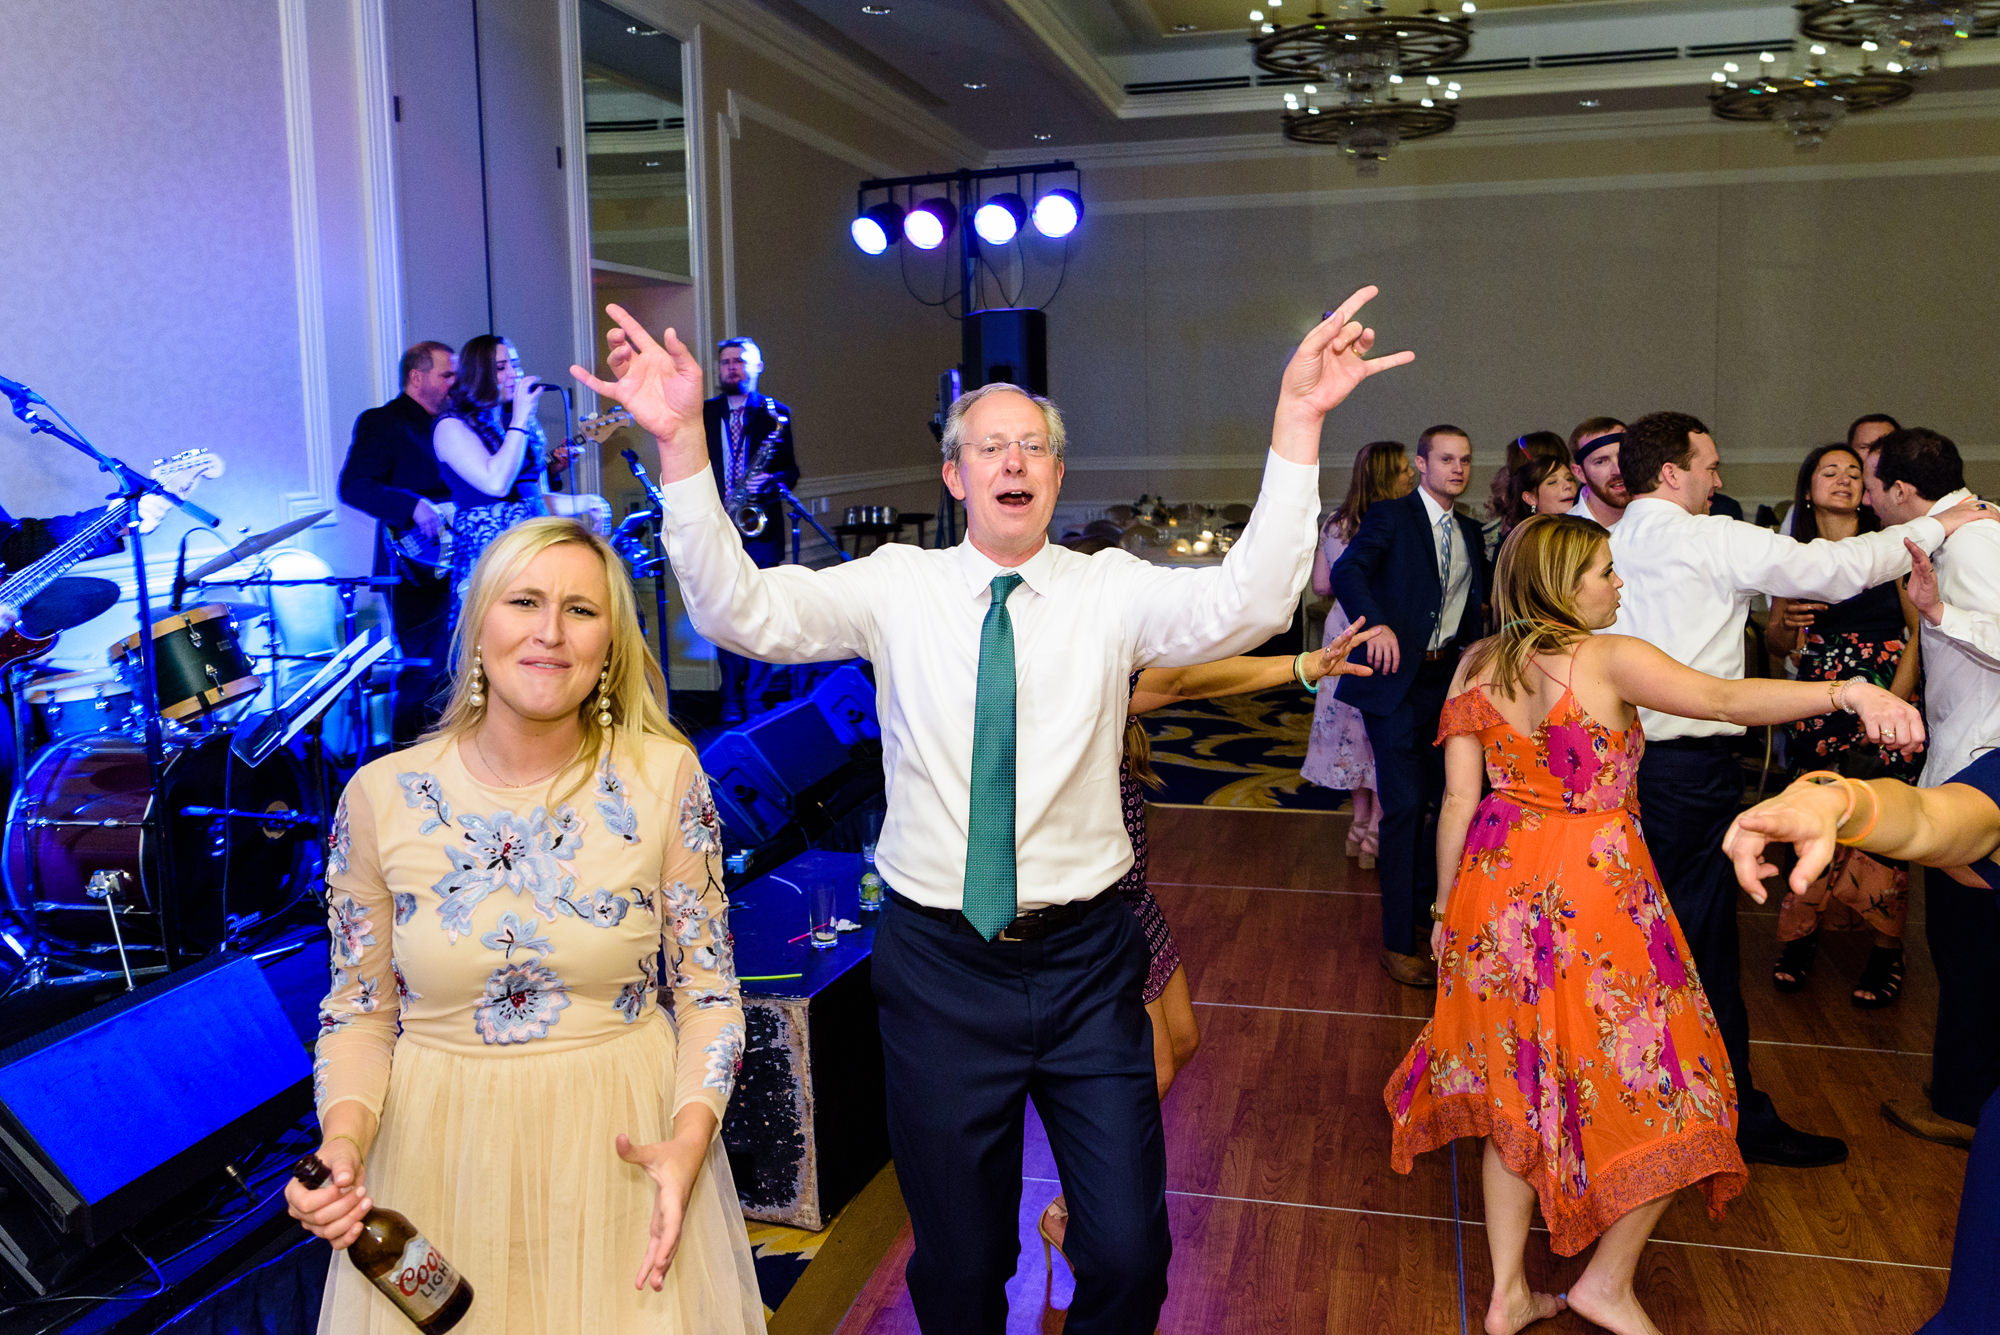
x=750 y=452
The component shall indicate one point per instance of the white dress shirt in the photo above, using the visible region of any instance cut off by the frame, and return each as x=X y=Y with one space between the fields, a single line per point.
x=1961 y=655
x=1082 y=625
x=1689 y=581
x=1582 y=510
x=1454 y=569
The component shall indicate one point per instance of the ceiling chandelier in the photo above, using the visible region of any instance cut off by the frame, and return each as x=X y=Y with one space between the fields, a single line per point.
x=1355 y=63
x=1916 y=34
x=1805 y=106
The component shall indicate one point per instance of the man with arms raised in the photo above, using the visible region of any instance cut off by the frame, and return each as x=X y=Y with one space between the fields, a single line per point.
x=1912 y=473
x=1593 y=452
x=1005 y=965
x=1689 y=580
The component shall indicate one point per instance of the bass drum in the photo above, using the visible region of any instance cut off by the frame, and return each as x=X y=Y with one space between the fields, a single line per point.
x=76 y=813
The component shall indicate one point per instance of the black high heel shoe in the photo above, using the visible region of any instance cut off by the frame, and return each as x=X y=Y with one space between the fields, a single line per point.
x=1881 y=978
x=1795 y=961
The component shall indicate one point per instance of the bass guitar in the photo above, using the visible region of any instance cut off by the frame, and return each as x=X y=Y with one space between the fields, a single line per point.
x=179 y=474
x=430 y=553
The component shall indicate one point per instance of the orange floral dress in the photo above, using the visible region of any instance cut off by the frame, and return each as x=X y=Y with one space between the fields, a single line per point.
x=1570 y=1025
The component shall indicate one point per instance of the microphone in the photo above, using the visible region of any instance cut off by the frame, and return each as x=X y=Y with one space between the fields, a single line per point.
x=19 y=392
x=541 y=385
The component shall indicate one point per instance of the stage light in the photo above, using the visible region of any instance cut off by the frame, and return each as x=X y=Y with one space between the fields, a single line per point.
x=878 y=228
x=929 y=223
x=1058 y=212
x=999 y=218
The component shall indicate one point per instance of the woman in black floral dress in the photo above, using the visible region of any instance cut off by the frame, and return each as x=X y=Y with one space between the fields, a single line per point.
x=1873 y=636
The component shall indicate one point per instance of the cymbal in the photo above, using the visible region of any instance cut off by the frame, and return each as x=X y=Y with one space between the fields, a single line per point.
x=67 y=602
x=255 y=543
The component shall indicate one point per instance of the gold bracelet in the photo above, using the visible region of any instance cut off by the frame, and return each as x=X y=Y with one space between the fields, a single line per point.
x=1437 y=914
x=342 y=1135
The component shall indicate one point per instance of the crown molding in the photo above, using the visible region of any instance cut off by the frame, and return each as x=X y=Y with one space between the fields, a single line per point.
x=826 y=69
x=843 y=484
x=1070 y=51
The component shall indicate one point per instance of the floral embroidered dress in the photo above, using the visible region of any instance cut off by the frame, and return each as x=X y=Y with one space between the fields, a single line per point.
x=1570 y=1025
x=496 y=999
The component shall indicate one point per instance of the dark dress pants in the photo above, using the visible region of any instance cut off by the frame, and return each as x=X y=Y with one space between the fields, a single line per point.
x=1962 y=925
x=1687 y=797
x=420 y=609
x=1409 y=784
x=1972 y=1300
x=745 y=681
x=971 y=1029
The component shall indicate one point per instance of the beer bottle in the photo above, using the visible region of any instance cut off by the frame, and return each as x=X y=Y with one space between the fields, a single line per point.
x=413 y=1274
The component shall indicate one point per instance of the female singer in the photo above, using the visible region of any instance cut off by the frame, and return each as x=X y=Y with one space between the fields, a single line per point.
x=494 y=456
x=495 y=1061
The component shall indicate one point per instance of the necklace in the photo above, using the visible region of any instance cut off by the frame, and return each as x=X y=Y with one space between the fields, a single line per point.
x=505 y=782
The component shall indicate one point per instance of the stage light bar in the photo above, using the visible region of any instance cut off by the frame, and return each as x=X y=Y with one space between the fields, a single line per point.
x=927 y=224
x=999 y=218
x=877 y=229
x=1058 y=212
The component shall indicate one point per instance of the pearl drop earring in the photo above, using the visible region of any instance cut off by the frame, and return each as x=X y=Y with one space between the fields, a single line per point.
x=604 y=698
x=477 y=695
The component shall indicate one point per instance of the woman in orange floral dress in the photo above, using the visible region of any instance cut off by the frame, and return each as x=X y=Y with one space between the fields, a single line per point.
x=1571 y=1032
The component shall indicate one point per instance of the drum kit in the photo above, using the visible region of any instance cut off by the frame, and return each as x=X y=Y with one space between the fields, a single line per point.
x=95 y=850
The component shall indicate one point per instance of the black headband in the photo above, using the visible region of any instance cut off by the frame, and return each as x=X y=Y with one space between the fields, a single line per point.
x=1596 y=443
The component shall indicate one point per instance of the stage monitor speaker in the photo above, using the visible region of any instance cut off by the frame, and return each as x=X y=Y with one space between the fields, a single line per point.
x=105 y=1117
x=757 y=770
x=846 y=699
x=1009 y=346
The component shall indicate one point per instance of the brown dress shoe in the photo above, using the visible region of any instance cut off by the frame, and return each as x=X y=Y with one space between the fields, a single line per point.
x=1916 y=1117
x=1409 y=970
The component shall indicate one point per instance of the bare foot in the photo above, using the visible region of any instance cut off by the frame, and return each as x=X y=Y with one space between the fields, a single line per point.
x=1512 y=1311
x=1618 y=1313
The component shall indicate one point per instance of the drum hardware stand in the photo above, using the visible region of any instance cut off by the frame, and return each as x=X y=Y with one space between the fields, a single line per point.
x=105 y=886
x=134 y=484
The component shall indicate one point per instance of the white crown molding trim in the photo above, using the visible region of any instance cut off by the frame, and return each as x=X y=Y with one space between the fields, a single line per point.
x=308 y=280
x=1071 y=53
x=840 y=484
x=799 y=55
x=1682 y=121
x=743 y=108
x=1364 y=195
x=576 y=170
x=1340 y=460
x=383 y=241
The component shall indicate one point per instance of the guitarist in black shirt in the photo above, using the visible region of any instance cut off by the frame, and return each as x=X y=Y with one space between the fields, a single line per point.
x=392 y=474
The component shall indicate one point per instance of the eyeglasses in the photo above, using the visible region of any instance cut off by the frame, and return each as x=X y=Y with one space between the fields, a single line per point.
x=1034 y=447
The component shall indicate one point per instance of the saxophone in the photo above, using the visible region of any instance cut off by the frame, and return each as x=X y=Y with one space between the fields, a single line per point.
x=749 y=517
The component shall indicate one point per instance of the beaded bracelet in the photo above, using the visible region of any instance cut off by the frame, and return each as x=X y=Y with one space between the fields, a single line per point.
x=1299 y=671
x=1826 y=778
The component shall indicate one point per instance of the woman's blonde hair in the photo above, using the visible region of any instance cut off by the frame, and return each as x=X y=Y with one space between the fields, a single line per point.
x=1535 y=579
x=1378 y=474
x=637 y=687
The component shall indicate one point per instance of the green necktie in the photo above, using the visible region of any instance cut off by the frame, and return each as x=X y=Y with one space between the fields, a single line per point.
x=989 y=903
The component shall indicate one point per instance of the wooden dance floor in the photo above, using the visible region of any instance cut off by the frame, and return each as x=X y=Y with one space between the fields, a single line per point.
x=1286 y=1214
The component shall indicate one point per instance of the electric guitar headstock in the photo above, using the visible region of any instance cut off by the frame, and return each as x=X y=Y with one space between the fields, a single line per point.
x=598 y=427
x=180 y=473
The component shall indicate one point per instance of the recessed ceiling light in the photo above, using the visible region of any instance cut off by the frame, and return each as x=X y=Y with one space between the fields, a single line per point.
x=1044 y=138
x=876 y=11
x=1587 y=102
x=1186 y=27
x=972 y=86
x=637 y=31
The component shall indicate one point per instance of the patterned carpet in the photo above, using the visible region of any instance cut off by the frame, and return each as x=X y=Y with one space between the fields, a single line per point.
x=1239 y=751
x=781 y=1255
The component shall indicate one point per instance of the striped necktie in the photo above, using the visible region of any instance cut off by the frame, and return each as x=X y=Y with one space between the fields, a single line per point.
x=989 y=903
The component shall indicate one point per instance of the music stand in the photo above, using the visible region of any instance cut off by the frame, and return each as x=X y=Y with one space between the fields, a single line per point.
x=256 y=739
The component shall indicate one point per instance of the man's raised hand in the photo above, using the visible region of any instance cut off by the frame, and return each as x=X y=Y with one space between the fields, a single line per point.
x=658 y=381
x=1334 y=358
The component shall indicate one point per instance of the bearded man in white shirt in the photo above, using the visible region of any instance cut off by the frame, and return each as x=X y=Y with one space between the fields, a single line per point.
x=1689 y=580
x=1593 y=453
x=1915 y=472
x=1006 y=966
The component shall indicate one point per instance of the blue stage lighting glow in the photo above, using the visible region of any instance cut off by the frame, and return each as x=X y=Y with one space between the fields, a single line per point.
x=878 y=228
x=1057 y=213
x=929 y=223
x=999 y=218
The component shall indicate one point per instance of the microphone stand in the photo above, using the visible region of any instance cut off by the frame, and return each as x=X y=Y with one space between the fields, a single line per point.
x=799 y=512
x=133 y=484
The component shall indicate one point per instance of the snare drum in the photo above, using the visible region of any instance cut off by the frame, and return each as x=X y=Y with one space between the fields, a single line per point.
x=77 y=813
x=72 y=704
x=197 y=662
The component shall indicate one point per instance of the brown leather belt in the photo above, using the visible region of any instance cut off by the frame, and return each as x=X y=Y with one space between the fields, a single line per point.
x=1028 y=927
x=1439 y=655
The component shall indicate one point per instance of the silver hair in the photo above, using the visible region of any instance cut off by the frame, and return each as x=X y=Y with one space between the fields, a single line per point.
x=954 y=420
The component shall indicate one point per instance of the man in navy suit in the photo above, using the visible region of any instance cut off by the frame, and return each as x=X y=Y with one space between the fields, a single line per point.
x=738 y=421
x=1416 y=568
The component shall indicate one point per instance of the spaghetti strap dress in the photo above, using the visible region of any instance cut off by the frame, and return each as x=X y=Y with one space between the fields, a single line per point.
x=1570 y=1027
